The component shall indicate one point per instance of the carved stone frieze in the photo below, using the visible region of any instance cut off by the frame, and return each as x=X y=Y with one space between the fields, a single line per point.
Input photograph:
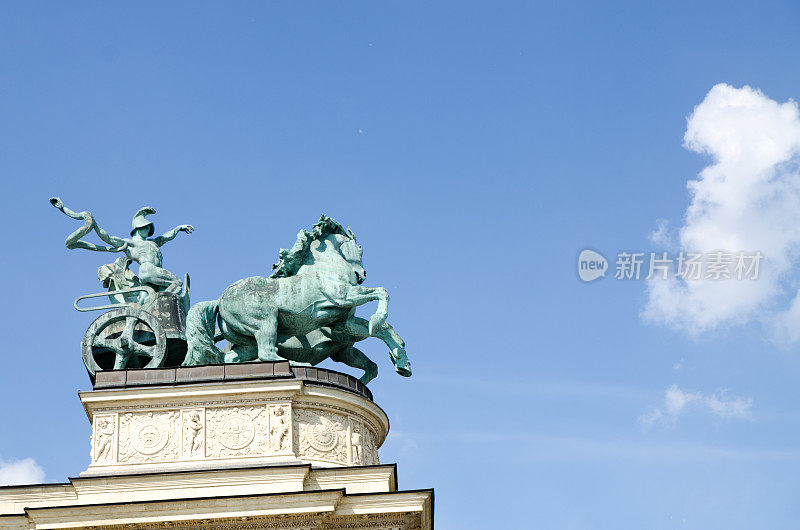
x=214 y=425
x=400 y=521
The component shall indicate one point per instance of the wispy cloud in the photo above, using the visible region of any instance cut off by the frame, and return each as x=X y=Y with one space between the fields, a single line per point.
x=662 y=236
x=677 y=401
x=746 y=199
x=25 y=471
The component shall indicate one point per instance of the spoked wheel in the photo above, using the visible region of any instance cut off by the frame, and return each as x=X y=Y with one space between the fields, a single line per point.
x=124 y=338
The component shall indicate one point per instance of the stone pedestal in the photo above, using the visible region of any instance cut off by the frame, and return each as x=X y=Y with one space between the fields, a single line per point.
x=202 y=418
x=260 y=446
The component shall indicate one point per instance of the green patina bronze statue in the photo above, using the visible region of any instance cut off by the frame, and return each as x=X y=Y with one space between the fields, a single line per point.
x=145 y=327
x=146 y=252
x=304 y=311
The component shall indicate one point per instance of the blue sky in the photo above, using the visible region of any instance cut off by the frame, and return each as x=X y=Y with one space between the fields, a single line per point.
x=475 y=149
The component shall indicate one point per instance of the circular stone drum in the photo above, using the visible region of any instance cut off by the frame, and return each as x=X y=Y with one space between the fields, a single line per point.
x=215 y=416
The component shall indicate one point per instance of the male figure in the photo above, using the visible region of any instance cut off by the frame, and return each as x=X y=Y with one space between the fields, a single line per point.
x=105 y=434
x=357 y=449
x=193 y=429
x=279 y=429
x=146 y=252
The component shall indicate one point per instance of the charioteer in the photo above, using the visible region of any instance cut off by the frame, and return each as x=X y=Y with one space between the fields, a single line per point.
x=146 y=252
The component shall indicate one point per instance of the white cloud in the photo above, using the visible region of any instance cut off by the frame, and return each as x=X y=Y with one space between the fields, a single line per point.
x=746 y=199
x=677 y=401
x=662 y=236
x=25 y=471
x=729 y=408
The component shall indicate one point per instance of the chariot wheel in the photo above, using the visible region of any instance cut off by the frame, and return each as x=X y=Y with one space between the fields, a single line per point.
x=127 y=337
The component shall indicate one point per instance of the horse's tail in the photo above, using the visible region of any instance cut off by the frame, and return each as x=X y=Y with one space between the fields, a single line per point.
x=200 y=325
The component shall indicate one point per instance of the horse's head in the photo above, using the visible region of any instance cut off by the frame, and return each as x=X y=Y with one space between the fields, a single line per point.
x=340 y=253
x=352 y=254
x=327 y=247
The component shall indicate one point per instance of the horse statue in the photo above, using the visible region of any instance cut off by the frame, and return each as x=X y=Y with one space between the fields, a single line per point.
x=303 y=312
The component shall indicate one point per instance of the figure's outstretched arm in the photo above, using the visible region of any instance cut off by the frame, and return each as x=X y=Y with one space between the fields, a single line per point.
x=169 y=236
x=117 y=243
x=73 y=240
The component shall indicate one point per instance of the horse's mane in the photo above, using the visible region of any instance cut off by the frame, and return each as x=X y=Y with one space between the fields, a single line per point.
x=290 y=261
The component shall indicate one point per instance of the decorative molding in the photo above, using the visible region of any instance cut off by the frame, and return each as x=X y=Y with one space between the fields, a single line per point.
x=399 y=521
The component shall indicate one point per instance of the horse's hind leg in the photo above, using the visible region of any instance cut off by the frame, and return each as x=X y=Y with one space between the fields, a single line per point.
x=241 y=353
x=267 y=338
x=241 y=348
x=354 y=357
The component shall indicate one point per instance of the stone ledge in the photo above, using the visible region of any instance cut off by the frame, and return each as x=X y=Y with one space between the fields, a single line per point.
x=106 y=379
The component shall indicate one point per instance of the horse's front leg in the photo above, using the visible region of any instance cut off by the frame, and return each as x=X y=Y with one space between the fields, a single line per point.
x=358 y=295
x=358 y=329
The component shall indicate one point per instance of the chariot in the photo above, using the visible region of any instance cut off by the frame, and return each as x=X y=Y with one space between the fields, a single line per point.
x=143 y=327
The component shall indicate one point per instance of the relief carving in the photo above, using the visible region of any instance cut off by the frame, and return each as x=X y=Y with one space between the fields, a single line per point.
x=321 y=434
x=236 y=431
x=104 y=438
x=370 y=449
x=194 y=434
x=363 y=449
x=279 y=429
x=357 y=449
x=149 y=436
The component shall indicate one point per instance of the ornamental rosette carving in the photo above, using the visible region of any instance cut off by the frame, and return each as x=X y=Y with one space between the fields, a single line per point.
x=321 y=434
x=237 y=431
x=149 y=436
